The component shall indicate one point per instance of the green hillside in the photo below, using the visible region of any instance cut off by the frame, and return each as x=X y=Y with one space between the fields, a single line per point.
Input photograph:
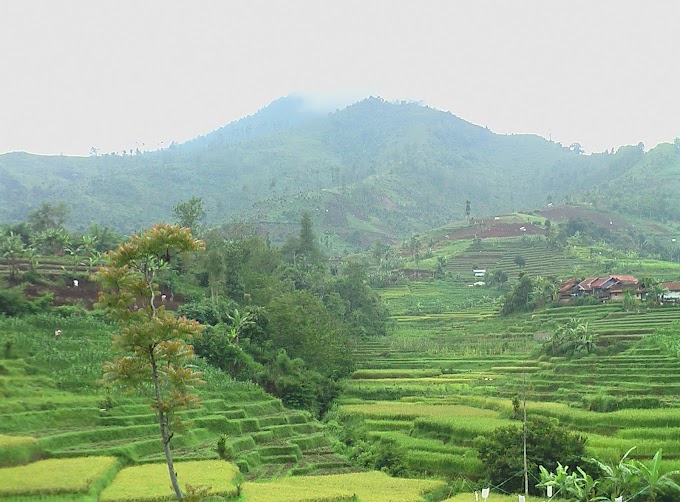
x=375 y=170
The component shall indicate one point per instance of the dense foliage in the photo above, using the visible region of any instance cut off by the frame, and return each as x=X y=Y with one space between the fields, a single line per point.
x=630 y=479
x=283 y=318
x=280 y=317
x=547 y=445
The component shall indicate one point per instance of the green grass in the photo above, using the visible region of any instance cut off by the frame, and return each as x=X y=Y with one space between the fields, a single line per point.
x=366 y=486
x=15 y=450
x=493 y=497
x=151 y=482
x=55 y=476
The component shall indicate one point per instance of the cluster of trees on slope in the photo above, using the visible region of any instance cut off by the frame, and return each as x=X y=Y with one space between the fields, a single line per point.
x=642 y=184
x=282 y=317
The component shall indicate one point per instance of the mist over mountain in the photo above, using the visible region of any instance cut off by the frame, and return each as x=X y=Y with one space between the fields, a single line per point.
x=372 y=170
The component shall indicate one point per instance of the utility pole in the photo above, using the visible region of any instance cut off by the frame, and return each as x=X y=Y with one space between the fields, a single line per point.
x=524 y=404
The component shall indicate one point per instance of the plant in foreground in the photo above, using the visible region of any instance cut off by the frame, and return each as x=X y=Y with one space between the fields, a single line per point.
x=150 y=351
x=630 y=479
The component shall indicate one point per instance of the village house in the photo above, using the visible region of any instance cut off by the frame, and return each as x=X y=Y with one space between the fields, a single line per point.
x=671 y=292
x=609 y=288
x=568 y=289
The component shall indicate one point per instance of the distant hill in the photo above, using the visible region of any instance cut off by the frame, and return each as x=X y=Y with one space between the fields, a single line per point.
x=644 y=185
x=374 y=170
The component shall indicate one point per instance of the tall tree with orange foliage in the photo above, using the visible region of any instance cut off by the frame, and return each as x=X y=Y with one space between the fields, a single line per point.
x=151 y=349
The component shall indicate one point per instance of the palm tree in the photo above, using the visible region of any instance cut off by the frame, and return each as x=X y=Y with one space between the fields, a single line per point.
x=541 y=290
x=637 y=480
x=653 y=482
x=573 y=336
x=238 y=323
x=12 y=248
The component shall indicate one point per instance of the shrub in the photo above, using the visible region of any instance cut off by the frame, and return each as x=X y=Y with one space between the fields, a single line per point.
x=207 y=312
x=222 y=447
x=13 y=302
x=547 y=444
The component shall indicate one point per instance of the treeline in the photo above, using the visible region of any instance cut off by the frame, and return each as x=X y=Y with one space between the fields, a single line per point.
x=44 y=234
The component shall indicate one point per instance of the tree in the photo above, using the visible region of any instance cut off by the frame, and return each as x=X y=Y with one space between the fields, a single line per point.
x=541 y=292
x=54 y=240
x=547 y=444
x=239 y=323
x=520 y=261
x=301 y=324
x=380 y=251
x=496 y=278
x=440 y=267
x=655 y=290
x=518 y=299
x=150 y=351
x=190 y=213
x=571 y=337
x=214 y=266
x=467 y=210
x=48 y=216
x=309 y=248
x=11 y=249
x=304 y=250
x=630 y=303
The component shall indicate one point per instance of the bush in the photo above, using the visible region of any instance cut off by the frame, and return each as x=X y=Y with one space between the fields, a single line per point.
x=501 y=452
x=385 y=455
x=207 y=312
x=13 y=302
x=606 y=403
x=297 y=386
x=216 y=347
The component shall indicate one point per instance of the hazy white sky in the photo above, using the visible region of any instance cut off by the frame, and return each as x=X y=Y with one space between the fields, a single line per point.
x=119 y=74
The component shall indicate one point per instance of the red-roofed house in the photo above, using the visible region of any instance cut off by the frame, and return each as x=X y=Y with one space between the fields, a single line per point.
x=671 y=292
x=612 y=287
x=568 y=289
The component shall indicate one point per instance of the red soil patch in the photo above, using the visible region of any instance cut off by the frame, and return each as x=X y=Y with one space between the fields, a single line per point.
x=563 y=213
x=86 y=294
x=483 y=231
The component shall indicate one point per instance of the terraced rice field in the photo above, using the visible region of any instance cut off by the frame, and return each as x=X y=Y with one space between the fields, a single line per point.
x=499 y=254
x=103 y=479
x=364 y=487
x=40 y=416
x=455 y=353
x=263 y=438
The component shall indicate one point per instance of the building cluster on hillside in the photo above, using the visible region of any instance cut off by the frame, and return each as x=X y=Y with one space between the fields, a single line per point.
x=614 y=288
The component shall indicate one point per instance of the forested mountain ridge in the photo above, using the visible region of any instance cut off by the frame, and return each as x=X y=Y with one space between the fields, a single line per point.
x=372 y=170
